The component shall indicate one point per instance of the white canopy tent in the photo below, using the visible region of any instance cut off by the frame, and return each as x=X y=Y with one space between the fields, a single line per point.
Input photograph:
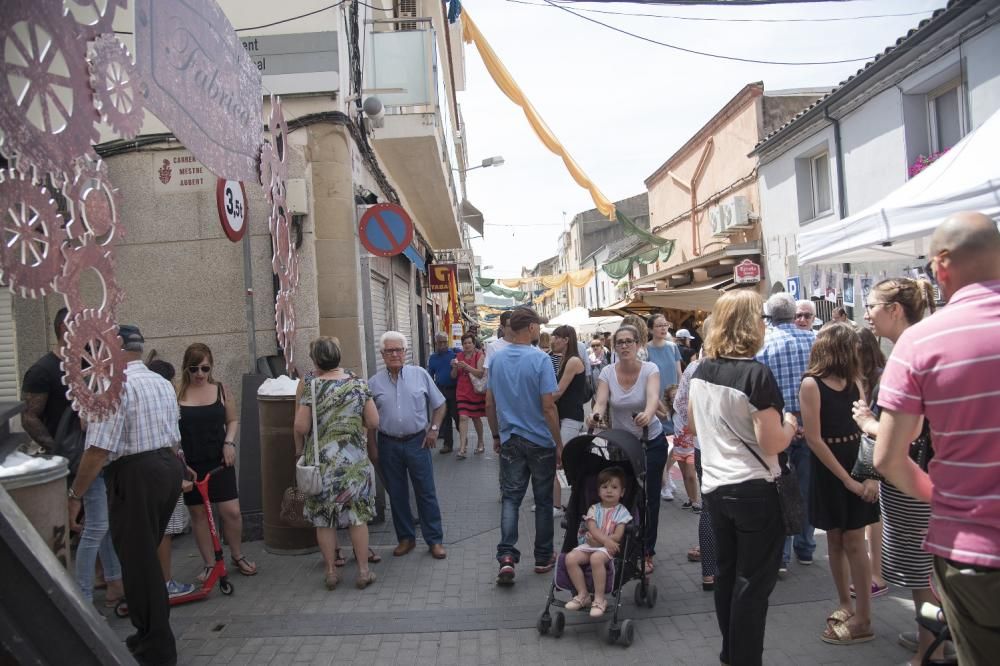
x=580 y=319
x=967 y=177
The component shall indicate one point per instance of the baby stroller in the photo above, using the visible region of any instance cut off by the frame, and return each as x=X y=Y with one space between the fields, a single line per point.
x=583 y=459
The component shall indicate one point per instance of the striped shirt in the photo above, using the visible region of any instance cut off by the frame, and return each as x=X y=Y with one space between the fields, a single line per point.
x=606 y=520
x=786 y=352
x=146 y=420
x=947 y=367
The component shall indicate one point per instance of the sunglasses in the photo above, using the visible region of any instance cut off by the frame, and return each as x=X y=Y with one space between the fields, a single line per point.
x=193 y=369
x=805 y=315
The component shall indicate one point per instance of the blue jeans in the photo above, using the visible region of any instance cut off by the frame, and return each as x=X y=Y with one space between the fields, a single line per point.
x=95 y=540
x=804 y=544
x=397 y=459
x=519 y=461
x=656 y=460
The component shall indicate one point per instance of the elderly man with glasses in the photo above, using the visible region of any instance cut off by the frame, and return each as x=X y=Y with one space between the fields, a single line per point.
x=404 y=395
x=786 y=352
x=805 y=315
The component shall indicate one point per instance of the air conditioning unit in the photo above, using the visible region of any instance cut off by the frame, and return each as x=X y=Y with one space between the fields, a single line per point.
x=730 y=216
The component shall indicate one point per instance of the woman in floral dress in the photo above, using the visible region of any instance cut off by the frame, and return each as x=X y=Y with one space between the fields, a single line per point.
x=344 y=412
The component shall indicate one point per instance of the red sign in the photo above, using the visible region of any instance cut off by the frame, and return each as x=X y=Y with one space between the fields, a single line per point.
x=385 y=230
x=439 y=278
x=231 y=200
x=746 y=272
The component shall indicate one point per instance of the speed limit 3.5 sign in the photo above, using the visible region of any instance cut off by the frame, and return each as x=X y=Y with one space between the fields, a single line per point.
x=231 y=199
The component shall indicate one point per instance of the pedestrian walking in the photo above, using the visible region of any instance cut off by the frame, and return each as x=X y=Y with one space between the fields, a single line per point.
x=786 y=353
x=344 y=411
x=209 y=427
x=839 y=504
x=632 y=387
x=524 y=420
x=953 y=384
x=683 y=340
x=805 y=315
x=571 y=395
x=439 y=365
x=893 y=306
x=735 y=410
x=144 y=477
x=471 y=402
x=504 y=335
x=405 y=395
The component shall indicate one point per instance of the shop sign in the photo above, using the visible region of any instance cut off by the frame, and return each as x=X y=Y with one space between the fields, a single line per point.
x=746 y=272
x=441 y=277
x=199 y=81
x=231 y=200
x=794 y=287
x=178 y=171
x=304 y=62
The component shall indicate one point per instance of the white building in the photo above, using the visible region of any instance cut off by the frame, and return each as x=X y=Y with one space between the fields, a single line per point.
x=857 y=143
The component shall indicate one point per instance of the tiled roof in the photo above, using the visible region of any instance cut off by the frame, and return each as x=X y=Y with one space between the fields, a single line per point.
x=937 y=19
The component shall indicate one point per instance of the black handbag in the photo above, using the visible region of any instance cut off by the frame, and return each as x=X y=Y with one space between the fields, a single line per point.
x=70 y=439
x=793 y=512
x=864 y=466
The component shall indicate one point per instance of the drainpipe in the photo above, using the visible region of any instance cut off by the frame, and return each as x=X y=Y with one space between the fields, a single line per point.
x=839 y=149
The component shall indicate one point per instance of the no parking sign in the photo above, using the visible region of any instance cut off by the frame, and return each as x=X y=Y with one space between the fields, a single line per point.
x=385 y=230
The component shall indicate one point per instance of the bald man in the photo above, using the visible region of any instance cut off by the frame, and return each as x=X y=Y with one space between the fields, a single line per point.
x=946 y=369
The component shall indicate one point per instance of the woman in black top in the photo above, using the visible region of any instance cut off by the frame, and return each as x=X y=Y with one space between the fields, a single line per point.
x=208 y=428
x=837 y=503
x=572 y=377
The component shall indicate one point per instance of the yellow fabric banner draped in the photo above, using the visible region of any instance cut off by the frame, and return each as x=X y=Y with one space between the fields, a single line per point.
x=510 y=88
x=578 y=279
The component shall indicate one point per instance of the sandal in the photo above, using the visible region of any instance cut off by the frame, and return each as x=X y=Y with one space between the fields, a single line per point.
x=841 y=634
x=694 y=554
x=365 y=579
x=374 y=557
x=245 y=566
x=338 y=559
x=332 y=578
x=480 y=449
x=206 y=571
x=649 y=566
x=578 y=602
x=597 y=607
x=876 y=590
x=839 y=616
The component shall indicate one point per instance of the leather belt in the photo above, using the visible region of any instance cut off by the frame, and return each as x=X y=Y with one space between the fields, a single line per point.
x=404 y=438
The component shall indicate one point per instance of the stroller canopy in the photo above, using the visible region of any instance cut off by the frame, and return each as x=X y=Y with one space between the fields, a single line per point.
x=610 y=446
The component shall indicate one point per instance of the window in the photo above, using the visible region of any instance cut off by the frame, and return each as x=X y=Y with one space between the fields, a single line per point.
x=945 y=116
x=819 y=177
x=812 y=183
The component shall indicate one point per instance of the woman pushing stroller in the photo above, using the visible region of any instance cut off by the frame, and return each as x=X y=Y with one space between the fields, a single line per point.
x=599 y=539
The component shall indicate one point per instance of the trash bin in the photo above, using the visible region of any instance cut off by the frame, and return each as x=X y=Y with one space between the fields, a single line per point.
x=38 y=487
x=277 y=472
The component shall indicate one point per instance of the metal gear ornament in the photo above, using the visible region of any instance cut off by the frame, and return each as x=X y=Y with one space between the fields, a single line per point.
x=274 y=155
x=115 y=81
x=78 y=260
x=93 y=364
x=31 y=236
x=93 y=17
x=284 y=322
x=47 y=113
x=93 y=201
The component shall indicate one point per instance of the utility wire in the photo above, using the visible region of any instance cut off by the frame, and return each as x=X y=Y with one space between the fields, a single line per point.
x=271 y=25
x=703 y=53
x=730 y=20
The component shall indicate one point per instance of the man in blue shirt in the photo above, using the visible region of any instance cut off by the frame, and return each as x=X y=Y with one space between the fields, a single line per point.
x=521 y=408
x=439 y=367
x=404 y=395
x=786 y=352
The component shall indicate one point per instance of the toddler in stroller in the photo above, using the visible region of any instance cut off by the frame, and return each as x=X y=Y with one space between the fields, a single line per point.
x=622 y=515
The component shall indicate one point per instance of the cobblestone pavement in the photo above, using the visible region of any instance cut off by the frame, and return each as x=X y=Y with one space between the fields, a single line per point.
x=426 y=611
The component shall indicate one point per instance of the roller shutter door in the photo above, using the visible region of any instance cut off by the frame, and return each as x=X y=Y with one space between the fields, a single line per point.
x=8 y=350
x=403 y=322
x=380 y=314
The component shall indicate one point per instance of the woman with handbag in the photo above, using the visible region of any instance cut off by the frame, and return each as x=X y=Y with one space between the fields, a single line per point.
x=839 y=504
x=735 y=409
x=893 y=306
x=574 y=391
x=470 y=394
x=337 y=408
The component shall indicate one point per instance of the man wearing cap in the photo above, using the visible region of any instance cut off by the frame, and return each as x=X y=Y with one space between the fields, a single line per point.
x=143 y=477
x=521 y=408
x=684 y=339
x=439 y=367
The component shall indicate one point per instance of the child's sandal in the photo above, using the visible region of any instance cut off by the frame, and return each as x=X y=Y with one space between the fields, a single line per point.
x=598 y=607
x=578 y=602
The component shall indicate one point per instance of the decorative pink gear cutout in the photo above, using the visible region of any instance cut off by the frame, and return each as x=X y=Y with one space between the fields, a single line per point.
x=92 y=340
x=284 y=322
x=78 y=260
x=43 y=69
x=93 y=17
x=94 y=203
x=32 y=236
x=115 y=81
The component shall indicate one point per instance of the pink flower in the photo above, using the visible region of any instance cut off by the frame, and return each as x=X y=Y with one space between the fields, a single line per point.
x=924 y=161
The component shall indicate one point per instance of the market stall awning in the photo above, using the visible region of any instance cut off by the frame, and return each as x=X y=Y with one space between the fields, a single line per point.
x=722 y=259
x=472 y=216
x=701 y=296
x=967 y=177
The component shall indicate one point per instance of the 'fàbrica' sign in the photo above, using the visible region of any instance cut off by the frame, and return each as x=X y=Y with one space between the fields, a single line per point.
x=199 y=80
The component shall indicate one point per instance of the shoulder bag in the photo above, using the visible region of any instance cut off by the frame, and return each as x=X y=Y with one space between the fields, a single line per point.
x=308 y=477
x=478 y=383
x=789 y=495
x=70 y=439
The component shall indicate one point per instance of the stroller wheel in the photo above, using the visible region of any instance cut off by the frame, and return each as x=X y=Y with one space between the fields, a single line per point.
x=627 y=633
x=544 y=623
x=609 y=631
x=225 y=587
x=651 y=596
x=121 y=609
x=558 y=624
x=640 y=594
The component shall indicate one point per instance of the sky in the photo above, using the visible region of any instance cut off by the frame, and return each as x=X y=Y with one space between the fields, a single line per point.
x=622 y=106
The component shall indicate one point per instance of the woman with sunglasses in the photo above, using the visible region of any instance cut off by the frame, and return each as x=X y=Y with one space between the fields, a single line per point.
x=629 y=391
x=208 y=437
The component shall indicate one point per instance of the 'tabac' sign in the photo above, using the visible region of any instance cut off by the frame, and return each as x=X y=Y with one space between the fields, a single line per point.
x=440 y=274
x=385 y=230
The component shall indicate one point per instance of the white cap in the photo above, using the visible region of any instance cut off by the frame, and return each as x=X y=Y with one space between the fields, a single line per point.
x=684 y=334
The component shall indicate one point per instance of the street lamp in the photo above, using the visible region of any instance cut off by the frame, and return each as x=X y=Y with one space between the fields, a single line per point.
x=496 y=160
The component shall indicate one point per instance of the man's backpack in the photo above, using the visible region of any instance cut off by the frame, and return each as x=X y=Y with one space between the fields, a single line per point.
x=70 y=439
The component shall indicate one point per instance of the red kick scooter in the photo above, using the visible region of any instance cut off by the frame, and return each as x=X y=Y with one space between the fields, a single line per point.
x=218 y=572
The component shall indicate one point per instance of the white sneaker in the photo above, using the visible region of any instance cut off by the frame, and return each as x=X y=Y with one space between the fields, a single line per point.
x=673 y=486
x=557 y=512
x=667 y=494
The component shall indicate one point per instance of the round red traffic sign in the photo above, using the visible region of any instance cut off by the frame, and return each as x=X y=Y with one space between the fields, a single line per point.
x=385 y=230
x=234 y=209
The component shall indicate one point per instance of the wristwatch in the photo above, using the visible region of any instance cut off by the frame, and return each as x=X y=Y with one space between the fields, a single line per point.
x=72 y=493
x=434 y=427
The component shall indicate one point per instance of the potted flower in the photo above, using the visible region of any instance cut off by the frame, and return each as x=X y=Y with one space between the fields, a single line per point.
x=924 y=161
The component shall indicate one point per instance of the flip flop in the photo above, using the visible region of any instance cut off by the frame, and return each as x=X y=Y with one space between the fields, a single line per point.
x=694 y=555
x=206 y=571
x=876 y=590
x=245 y=566
x=374 y=557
